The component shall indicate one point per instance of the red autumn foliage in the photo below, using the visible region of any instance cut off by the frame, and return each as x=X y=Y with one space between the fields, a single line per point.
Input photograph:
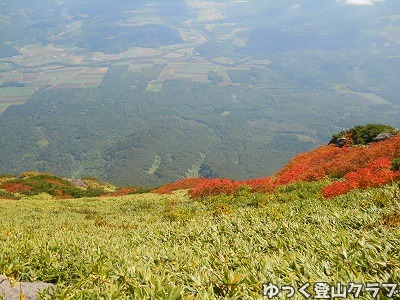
x=201 y=187
x=214 y=187
x=15 y=187
x=261 y=185
x=336 y=162
x=359 y=167
x=377 y=173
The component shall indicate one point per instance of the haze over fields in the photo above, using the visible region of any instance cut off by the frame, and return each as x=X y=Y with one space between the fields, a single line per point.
x=146 y=92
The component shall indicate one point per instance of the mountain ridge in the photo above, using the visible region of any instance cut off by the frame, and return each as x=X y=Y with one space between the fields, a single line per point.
x=359 y=162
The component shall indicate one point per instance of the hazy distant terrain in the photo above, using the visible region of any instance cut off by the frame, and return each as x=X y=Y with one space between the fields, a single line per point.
x=145 y=92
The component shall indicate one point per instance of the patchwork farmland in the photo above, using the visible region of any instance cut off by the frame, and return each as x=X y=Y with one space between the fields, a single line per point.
x=193 y=70
x=17 y=87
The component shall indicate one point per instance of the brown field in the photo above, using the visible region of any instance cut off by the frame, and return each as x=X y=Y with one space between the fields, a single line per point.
x=30 y=76
x=89 y=84
x=14 y=100
x=77 y=59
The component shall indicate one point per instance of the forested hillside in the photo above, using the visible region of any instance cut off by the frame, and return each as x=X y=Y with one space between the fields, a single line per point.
x=126 y=135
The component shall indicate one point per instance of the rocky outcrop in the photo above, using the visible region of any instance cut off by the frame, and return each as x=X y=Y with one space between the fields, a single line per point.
x=15 y=291
x=338 y=142
x=383 y=136
x=348 y=139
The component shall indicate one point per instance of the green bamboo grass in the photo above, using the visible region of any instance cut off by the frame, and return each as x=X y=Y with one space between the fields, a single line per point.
x=152 y=246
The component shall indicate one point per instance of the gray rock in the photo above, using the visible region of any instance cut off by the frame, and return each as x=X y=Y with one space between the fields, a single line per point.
x=383 y=136
x=338 y=142
x=28 y=289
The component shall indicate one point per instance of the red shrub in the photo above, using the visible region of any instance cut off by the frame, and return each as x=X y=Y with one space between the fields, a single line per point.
x=375 y=174
x=261 y=185
x=335 y=189
x=214 y=187
x=361 y=167
x=15 y=187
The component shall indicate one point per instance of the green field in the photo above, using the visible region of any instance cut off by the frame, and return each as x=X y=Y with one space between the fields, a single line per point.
x=63 y=78
x=194 y=70
x=11 y=77
x=14 y=95
x=138 y=67
x=5 y=67
x=17 y=91
x=154 y=86
x=170 y=247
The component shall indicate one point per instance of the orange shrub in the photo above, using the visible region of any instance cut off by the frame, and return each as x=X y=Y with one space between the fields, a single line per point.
x=261 y=185
x=214 y=187
x=360 y=167
x=15 y=187
x=336 y=162
x=376 y=173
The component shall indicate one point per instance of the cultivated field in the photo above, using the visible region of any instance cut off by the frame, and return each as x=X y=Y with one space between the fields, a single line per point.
x=14 y=95
x=18 y=86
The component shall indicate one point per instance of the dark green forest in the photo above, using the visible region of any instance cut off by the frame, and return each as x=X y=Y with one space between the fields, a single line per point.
x=6 y=50
x=121 y=133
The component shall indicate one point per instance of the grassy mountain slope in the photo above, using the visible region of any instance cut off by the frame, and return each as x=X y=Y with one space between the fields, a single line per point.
x=224 y=245
x=170 y=247
x=43 y=185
